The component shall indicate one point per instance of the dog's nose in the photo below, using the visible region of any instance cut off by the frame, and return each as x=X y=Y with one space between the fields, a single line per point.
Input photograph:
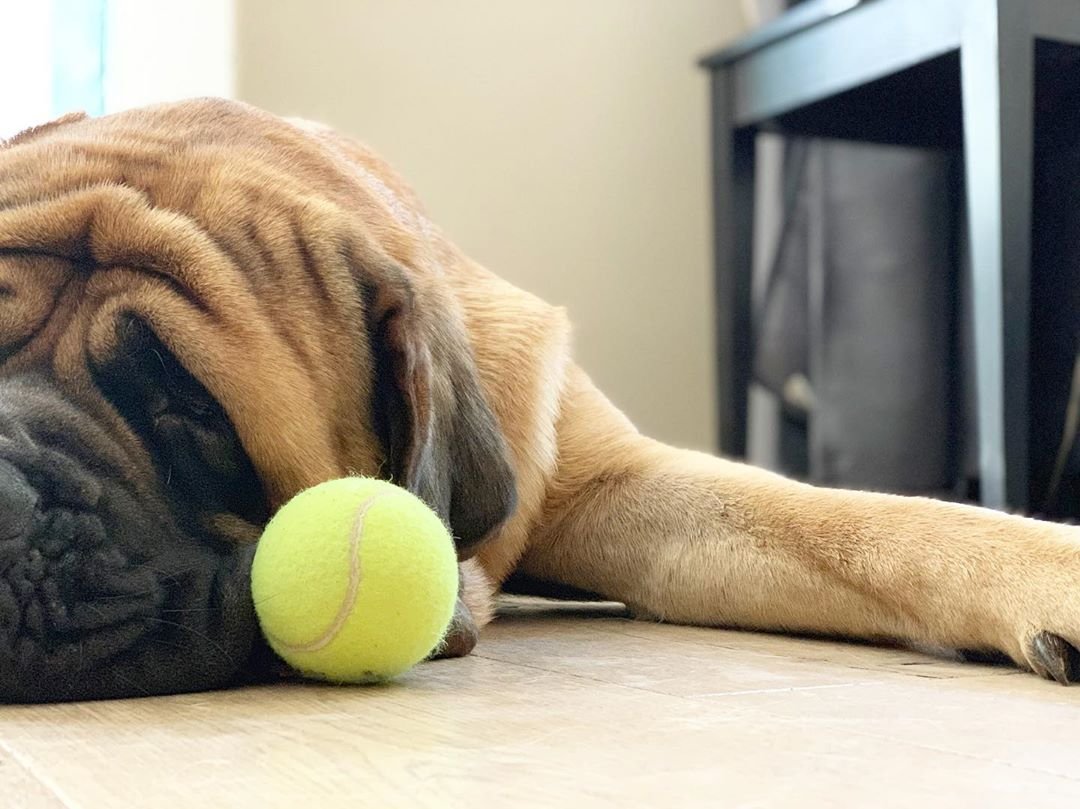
x=17 y=503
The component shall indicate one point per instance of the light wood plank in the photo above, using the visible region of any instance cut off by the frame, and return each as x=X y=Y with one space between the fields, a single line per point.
x=564 y=710
x=19 y=789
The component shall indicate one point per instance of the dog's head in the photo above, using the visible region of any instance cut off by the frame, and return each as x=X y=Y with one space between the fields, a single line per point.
x=203 y=310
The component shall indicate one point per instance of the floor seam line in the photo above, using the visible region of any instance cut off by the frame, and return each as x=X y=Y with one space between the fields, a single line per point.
x=972 y=756
x=583 y=677
x=26 y=765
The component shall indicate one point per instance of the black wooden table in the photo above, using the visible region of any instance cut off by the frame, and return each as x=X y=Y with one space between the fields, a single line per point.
x=928 y=72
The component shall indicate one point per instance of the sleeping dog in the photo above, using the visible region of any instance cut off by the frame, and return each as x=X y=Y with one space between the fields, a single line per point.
x=205 y=309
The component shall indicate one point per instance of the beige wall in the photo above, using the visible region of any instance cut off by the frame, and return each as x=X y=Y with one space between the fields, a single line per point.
x=561 y=143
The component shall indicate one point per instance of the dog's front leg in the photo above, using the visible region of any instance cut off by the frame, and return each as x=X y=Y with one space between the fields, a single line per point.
x=685 y=537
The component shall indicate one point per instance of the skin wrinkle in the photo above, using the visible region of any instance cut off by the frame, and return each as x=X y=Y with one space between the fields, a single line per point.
x=203 y=267
x=314 y=262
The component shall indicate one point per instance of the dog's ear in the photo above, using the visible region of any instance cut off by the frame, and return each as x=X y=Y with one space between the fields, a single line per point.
x=441 y=437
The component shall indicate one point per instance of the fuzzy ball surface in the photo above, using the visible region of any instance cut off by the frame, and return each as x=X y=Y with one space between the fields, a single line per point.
x=355 y=581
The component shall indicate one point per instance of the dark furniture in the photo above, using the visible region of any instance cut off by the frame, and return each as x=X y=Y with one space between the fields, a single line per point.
x=926 y=72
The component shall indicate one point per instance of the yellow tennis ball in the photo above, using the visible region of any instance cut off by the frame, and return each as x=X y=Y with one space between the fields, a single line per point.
x=354 y=580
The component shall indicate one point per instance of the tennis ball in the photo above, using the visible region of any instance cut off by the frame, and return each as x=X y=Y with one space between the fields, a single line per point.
x=354 y=580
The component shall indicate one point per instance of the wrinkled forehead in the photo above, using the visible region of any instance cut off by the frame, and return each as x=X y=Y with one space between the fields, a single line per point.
x=249 y=246
x=65 y=320
x=63 y=317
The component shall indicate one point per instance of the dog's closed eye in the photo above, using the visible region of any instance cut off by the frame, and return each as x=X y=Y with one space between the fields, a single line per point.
x=202 y=466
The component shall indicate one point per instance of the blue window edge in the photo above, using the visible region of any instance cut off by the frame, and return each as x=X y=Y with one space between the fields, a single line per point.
x=78 y=56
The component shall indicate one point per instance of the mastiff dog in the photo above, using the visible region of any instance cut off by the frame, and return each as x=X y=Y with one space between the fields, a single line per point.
x=205 y=308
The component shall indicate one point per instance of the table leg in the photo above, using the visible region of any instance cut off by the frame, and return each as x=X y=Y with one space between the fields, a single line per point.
x=997 y=81
x=733 y=209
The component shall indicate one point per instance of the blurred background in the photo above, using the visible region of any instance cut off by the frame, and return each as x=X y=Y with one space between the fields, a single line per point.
x=567 y=145
x=563 y=144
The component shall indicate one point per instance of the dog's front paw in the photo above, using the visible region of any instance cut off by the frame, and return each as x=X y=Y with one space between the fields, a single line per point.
x=474 y=609
x=462 y=635
x=1053 y=657
x=1038 y=600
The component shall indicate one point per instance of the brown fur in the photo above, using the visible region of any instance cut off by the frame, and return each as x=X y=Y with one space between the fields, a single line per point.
x=242 y=239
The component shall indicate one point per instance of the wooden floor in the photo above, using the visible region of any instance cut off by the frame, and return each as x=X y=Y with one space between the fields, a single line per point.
x=570 y=707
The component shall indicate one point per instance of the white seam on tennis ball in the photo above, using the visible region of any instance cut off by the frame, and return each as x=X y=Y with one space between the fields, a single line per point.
x=353 y=589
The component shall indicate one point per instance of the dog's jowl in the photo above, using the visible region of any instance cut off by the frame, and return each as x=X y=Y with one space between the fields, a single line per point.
x=205 y=309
